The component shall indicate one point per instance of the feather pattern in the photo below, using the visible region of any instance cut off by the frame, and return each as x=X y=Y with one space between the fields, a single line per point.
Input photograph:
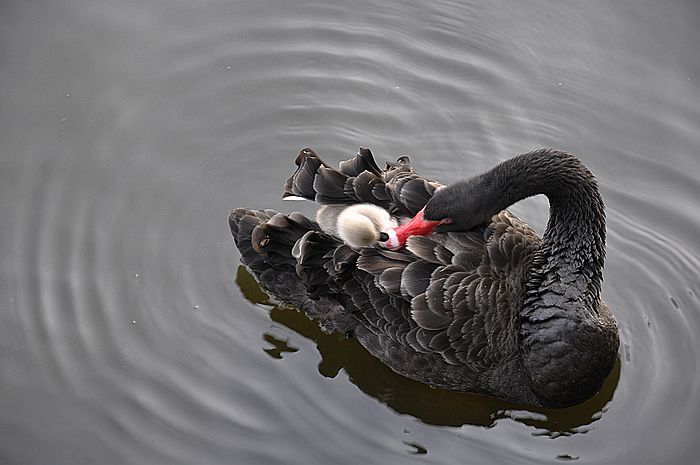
x=397 y=188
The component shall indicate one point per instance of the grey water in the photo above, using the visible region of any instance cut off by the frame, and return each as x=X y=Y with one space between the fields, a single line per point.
x=128 y=129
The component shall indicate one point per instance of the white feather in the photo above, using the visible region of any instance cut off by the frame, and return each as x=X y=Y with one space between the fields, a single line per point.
x=357 y=225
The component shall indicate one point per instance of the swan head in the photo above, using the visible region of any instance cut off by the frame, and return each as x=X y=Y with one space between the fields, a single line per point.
x=363 y=225
x=459 y=207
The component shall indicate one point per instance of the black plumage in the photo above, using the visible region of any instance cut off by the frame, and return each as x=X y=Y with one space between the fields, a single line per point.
x=484 y=305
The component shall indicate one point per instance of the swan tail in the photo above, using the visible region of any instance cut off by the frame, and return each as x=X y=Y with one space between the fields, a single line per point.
x=357 y=181
x=293 y=259
x=267 y=239
x=268 y=235
x=244 y=223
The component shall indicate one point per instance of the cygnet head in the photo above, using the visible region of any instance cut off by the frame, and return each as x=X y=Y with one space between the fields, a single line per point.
x=362 y=225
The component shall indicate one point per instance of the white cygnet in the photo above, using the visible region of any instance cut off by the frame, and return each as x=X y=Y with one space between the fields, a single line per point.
x=358 y=225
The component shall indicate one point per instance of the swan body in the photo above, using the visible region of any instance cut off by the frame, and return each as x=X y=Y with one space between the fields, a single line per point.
x=484 y=305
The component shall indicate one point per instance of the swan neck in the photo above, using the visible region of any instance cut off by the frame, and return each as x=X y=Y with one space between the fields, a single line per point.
x=573 y=246
x=564 y=327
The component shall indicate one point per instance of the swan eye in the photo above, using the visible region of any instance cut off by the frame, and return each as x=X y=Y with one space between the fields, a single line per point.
x=446 y=221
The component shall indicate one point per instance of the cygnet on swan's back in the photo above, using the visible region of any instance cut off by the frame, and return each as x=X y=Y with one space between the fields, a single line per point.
x=357 y=225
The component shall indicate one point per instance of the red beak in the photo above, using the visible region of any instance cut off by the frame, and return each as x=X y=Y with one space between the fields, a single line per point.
x=416 y=227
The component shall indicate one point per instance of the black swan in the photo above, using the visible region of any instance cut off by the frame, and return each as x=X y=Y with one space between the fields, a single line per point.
x=483 y=305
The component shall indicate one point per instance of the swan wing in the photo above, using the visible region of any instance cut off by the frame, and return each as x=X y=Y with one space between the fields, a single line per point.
x=397 y=188
x=409 y=191
x=357 y=181
x=459 y=288
x=363 y=161
x=445 y=295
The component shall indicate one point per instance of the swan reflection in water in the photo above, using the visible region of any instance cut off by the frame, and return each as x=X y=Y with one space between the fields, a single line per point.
x=432 y=406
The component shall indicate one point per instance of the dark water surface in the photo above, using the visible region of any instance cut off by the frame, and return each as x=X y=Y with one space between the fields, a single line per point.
x=129 y=129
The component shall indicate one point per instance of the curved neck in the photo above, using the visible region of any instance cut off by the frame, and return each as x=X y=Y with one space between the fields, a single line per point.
x=568 y=338
x=571 y=258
